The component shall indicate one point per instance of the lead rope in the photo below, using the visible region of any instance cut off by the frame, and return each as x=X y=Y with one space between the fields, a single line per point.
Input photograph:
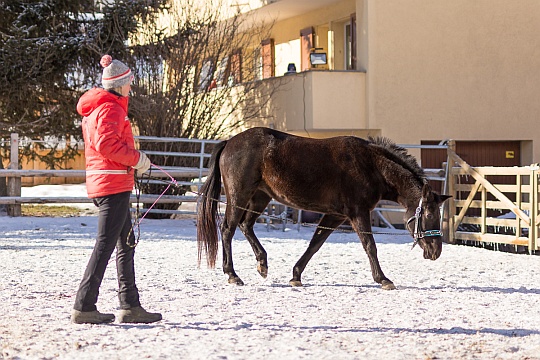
x=136 y=223
x=138 y=218
x=281 y=217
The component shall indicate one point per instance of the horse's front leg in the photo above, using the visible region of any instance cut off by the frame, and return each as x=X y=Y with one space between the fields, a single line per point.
x=362 y=225
x=327 y=224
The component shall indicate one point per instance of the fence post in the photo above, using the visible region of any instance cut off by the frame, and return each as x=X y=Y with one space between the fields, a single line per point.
x=201 y=164
x=14 y=183
x=533 y=229
x=449 y=205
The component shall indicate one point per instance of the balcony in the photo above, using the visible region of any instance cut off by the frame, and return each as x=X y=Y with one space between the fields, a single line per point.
x=318 y=101
x=279 y=10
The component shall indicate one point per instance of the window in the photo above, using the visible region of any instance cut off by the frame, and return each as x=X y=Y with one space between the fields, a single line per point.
x=222 y=73
x=227 y=72
x=350 y=44
x=257 y=64
x=206 y=74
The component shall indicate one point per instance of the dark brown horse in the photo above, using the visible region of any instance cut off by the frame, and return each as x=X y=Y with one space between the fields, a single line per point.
x=343 y=177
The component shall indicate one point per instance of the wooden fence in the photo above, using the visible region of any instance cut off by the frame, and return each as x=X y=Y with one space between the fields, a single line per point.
x=29 y=163
x=493 y=213
x=200 y=151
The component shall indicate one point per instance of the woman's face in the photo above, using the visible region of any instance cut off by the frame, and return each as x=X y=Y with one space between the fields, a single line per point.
x=125 y=89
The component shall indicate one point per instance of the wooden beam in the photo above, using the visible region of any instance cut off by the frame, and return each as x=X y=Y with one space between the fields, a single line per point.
x=466 y=206
x=145 y=199
x=492 y=238
x=175 y=173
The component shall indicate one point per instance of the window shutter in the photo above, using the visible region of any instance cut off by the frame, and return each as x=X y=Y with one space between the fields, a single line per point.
x=236 y=67
x=267 y=54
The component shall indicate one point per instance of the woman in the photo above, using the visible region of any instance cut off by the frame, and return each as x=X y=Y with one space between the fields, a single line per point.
x=111 y=160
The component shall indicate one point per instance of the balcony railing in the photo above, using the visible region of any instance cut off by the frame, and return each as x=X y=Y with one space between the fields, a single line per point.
x=318 y=100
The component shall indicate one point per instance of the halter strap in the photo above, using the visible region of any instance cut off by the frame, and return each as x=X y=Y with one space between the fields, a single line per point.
x=418 y=233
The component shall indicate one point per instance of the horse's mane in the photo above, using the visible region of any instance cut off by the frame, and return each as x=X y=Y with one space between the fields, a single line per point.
x=399 y=155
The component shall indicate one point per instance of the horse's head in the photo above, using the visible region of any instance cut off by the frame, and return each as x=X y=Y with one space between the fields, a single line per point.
x=424 y=222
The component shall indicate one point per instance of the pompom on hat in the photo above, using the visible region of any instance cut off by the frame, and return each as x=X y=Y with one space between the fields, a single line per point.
x=115 y=73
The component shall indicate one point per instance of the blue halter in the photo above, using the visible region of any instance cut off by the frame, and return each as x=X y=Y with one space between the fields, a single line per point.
x=418 y=233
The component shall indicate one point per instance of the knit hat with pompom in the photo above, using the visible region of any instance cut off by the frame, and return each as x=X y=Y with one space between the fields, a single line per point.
x=115 y=73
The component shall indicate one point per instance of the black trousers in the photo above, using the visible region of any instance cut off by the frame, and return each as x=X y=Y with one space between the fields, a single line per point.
x=114 y=228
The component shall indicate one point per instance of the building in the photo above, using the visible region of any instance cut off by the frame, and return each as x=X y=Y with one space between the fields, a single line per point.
x=415 y=71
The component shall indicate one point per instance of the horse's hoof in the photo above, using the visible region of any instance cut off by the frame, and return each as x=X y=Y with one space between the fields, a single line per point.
x=295 y=283
x=263 y=270
x=236 y=281
x=387 y=285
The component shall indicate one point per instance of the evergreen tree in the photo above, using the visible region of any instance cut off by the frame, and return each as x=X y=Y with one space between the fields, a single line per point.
x=49 y=55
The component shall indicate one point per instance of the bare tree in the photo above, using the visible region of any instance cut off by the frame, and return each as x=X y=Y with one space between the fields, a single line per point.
x=194 y=82
x=200 y=81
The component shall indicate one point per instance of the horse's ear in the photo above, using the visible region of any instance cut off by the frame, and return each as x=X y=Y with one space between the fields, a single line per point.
x=443 y=198
x=429 y=195
x=426 y=190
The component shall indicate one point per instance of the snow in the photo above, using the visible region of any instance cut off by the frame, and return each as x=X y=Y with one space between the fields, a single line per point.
x=471 y=303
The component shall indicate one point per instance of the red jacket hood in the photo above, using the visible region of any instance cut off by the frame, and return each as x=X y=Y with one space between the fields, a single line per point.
x=93 y=98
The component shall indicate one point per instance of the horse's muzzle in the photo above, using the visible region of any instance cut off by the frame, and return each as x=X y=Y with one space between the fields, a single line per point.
x=433 y=256
x=432 y=249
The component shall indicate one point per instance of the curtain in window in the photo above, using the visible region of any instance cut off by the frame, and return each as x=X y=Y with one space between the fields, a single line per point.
x=306 y=43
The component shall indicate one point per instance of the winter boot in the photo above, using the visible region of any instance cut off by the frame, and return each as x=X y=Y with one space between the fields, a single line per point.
x=138 y=315
x=91 y=317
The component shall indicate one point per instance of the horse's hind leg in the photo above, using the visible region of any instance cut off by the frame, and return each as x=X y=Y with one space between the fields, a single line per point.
x=256 y=206
x=232 y=217
x=326 y=226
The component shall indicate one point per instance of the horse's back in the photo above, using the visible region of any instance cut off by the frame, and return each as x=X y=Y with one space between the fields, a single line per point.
x=286 y=152
x=302 y=172
x=258 y=137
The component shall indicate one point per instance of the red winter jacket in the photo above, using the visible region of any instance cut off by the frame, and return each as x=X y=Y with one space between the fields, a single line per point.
x=109 y=146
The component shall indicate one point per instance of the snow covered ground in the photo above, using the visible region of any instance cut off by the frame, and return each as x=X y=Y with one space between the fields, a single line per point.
x=469 y=304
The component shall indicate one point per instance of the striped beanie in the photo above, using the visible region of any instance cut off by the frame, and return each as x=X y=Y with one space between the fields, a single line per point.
x=115 y=73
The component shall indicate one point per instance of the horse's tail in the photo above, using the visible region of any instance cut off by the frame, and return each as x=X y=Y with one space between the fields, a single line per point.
x=207 y=216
